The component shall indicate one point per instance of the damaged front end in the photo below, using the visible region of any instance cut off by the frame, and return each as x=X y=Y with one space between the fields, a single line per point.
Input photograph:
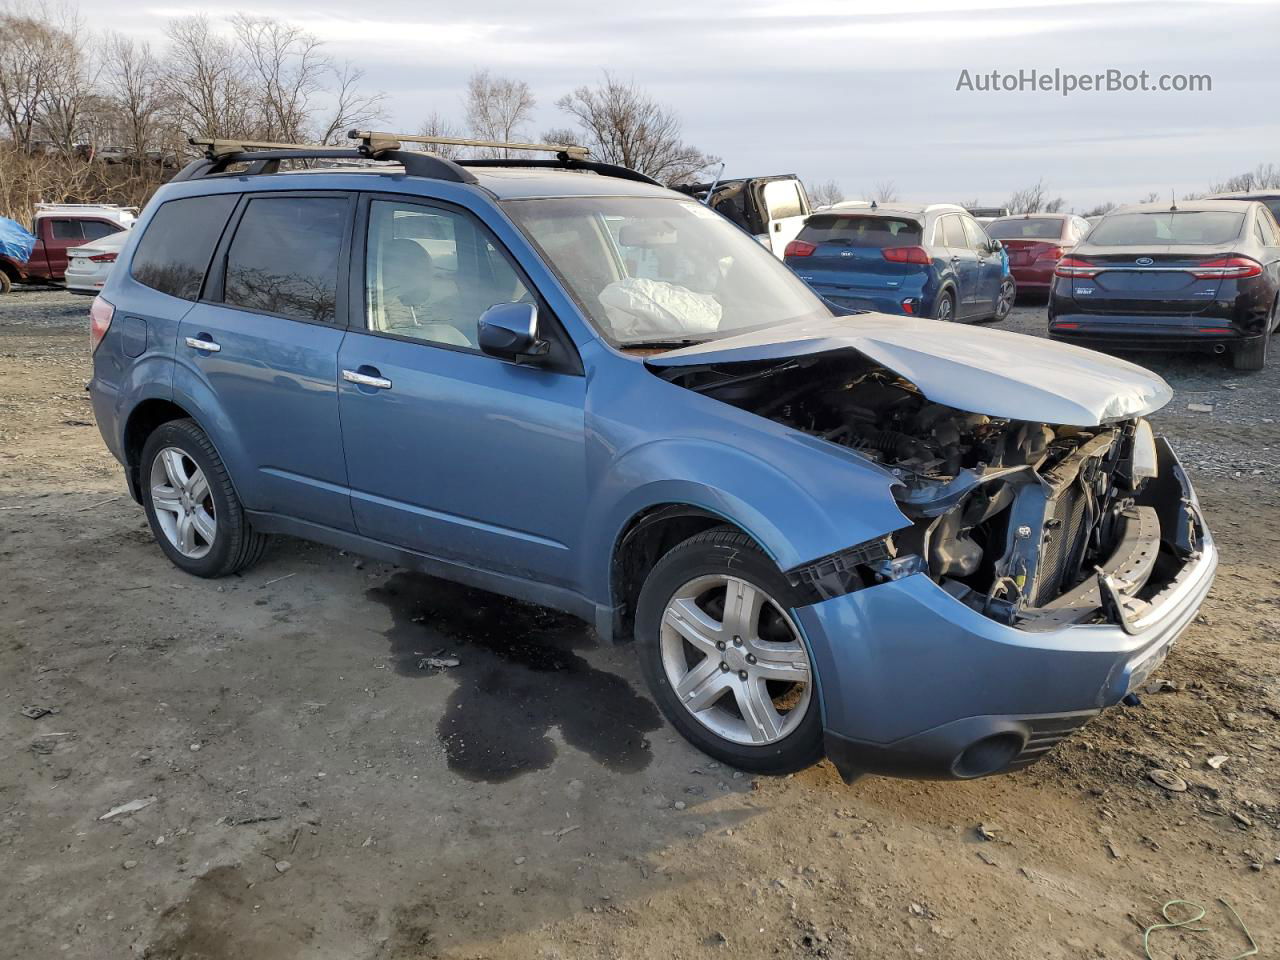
x=1035 y=525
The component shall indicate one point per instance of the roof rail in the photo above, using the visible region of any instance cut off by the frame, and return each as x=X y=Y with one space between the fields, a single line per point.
x=374 y=141
x=263 y=157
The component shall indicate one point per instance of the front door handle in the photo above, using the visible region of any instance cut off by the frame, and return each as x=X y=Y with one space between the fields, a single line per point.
x=203 y=342
x=366 y=379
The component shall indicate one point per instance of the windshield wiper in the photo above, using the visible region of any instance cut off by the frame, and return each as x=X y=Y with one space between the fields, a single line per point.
x=651 y=344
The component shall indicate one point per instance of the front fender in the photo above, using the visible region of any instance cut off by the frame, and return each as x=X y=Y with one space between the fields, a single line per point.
x=801 y=504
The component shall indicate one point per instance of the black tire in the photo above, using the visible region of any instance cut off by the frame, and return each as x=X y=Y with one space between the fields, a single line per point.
x=1252 y=356
x=235 y=545
x=723 y=550
x=1005 y=302
x=945 y=307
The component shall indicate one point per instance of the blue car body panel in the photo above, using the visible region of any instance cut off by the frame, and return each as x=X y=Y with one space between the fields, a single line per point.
x=524 y=479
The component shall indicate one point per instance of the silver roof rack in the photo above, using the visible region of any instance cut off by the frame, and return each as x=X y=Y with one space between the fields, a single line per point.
x=376 y=142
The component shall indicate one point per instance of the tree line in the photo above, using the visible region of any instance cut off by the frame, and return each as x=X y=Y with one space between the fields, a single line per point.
x=105 y=117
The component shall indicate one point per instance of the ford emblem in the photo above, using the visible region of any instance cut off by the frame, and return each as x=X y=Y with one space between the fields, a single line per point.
x=1144 y=261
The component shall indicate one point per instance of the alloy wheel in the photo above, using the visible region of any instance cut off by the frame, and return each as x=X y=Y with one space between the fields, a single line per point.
x=735 y=660
x=1004 y=300
x=944 y=309
x=183 y=503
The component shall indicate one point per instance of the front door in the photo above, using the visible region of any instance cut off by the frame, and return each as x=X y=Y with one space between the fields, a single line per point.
x=990 y=268
x=451 y=452
x=785 y=208
x=263 y=348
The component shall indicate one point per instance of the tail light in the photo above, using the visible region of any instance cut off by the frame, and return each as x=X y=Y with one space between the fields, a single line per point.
x=103 y=258
x=100 y=315
x=1227 y=268
x=907 y=255
x=1076 y=267
x=1050 y=253
x=798 y=248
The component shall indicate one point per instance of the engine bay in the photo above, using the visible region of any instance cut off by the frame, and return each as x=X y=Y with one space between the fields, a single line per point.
x=1023 y=521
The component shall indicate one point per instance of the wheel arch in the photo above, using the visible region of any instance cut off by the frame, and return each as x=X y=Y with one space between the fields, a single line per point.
x=642 y=542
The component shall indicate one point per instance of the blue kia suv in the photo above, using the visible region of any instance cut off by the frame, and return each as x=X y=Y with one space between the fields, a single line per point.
x=931 y=261
x=919 y=548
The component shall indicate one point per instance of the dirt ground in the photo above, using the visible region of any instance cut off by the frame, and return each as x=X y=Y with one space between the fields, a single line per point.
x=321 y=793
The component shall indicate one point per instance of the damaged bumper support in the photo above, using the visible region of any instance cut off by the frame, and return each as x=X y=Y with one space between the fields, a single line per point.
x=916 y=683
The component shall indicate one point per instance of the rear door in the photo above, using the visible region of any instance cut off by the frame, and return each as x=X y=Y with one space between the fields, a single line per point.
x=261 y=351
x=990 y=268
x=949 y=233
x=785 y=207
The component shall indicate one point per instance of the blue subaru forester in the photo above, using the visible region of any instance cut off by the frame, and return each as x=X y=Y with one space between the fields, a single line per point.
x=921 y=549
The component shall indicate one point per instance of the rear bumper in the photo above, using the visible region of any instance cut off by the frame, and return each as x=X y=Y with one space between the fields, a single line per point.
x=1191 y=333
x=916 y=683
x=1034 y=277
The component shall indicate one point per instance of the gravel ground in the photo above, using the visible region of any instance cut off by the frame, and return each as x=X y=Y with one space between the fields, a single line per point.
x=320 y=793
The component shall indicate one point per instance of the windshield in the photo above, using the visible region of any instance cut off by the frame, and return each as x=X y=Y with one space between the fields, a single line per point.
x=1026 y=228
x=651 y=269
x=1169 y=227
x=861 y=231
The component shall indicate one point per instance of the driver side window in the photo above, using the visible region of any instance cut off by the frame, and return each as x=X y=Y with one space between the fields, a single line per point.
x=430 y=273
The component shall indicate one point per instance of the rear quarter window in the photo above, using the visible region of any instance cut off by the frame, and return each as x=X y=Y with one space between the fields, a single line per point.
x=861 y=231
x=176 y=248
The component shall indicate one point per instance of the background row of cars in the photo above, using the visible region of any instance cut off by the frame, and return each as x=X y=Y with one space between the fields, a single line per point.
x=1202 y=275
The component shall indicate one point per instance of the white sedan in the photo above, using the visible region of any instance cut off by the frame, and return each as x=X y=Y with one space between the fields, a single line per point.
x=88 y=266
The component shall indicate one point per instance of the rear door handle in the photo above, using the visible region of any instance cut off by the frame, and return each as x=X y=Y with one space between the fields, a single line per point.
x=203 y=343
x=366 y=379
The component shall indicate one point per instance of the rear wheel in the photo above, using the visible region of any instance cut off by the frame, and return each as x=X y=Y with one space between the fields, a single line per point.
x=1004 y=299
x=724 y=658
x=1252 y=356
x=945 y=308
x=193 y=509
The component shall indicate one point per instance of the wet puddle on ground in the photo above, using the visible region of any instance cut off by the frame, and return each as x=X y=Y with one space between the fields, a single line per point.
x=518 y=677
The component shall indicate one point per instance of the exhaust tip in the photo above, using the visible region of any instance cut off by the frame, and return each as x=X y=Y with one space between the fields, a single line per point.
x=987 y=756
x=1219 y=348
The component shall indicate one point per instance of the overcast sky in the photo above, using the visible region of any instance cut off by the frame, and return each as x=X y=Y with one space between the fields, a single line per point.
x=857 y=92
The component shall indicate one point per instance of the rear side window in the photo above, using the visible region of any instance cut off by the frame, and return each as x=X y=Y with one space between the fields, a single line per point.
x=861 y=231
x=1174 y=227
x=174 y=253
x=284 y=258
x=97 y=229
x=1026 y=228
x=952 y=232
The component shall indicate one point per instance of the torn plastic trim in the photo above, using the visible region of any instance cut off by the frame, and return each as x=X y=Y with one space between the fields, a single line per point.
x=839 y=573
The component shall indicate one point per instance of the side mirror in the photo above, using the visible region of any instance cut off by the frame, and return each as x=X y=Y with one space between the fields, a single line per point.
x=996 y=246
x=509 y=331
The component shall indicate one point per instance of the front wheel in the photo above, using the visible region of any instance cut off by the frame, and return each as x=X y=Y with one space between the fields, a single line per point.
x=724 y=658
x=193 y=509
x=5 y=283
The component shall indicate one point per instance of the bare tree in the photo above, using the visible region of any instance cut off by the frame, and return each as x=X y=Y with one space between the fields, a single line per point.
x=206 y=81
x=351 y=106
x=1034 y=199
x=885 y=191
x=1263 y=177
x=497 y=108
x=1152 y=197
x=285 y=68
x=132 y=81
x=825 y=194
x=31 y=52
x=621 y=124
x=1101 y=210
x=437 y=126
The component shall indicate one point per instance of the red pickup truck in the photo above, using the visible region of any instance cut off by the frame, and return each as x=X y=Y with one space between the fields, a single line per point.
x=58 y=228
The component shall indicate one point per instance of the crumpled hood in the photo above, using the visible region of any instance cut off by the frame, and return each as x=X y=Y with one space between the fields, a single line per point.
x=994 y=372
